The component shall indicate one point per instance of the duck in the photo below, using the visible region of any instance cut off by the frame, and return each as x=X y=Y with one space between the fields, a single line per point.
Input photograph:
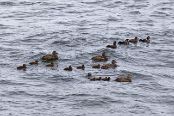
x=81 y=67
x=126 y=42
x=95 y=79
x=147 y=40
x=114 y=46
x=89 y=75
x=34 y=62
x=107 y=66
x=50 y=65
x=68 y=68
x=96 y=66
x=100 y=58
x=106 y=79
x=22 y=67
x=124 y=78
x=50 y=57
x=134 y=41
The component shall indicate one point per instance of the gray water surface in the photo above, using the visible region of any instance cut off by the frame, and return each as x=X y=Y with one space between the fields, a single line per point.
x=78 y=30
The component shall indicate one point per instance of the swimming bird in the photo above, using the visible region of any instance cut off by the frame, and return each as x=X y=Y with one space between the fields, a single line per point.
x=100 y=58
x=106 y=79
x=126 y=42
x=23 y=67
x=107 y=66
x=81 y=67
x=134 y=41
x=95 y=79
x=147 y=40
x=50 y=65
x=68 y=68
x=114 y=46
x=124 y=78
x=96 y=66
x=50 y=57
x=34 y=62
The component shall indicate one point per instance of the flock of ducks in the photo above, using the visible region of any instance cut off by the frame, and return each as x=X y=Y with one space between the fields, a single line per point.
x=50 y=58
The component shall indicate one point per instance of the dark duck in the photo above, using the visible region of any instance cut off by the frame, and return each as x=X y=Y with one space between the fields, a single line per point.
x=114 y=46
x=81 y=67
x=126 y=42
x=50 y=57
x=107 y=66
x=147 y=40
x=134 y=41
x=23 y=67
x=100 y=58
x=68 y=68
x=124 y=78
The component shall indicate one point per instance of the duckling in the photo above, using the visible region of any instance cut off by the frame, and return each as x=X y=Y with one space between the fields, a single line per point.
x=23 y=67
x=81 y=67
x=106 y=79
x=134 y=41
x=126 y=42
x=114 y=46
x=96 y=66
x=95 y=79
x=100 y=58
x=50 y=57
x=124 y=78
x=107 y=66
x=68 y=68
x=147 y=40
x=50 y=65
x=34 y=62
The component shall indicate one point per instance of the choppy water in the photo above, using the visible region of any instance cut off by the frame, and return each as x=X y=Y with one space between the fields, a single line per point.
x=77 y=30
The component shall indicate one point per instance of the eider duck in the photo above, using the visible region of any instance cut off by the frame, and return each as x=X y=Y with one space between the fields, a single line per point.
x=134 y=41
x=100 y=58
x=50 y=57
x=107 y=66
x=23 y=67
x=147 y=40
x=124 y=78
x=126 y=42
x=81 y=67
x=68 y=68
x=114 y=46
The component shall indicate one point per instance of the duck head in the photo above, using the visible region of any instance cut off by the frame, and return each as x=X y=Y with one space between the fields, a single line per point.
x=148 y=38
x=24 y=65
x=114 y=62
x=114 y=43
x=104 y=54
x=136 y=38
x=54 y=53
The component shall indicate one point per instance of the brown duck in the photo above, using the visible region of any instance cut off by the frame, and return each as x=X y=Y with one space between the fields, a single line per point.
x=96 y=66
x=68 y=68
x=81 y=67
x=100 y=58
x=126 y=42
x=134 y=41
x=23 y=67
x=50 y=65
x=124 y=78
x=147 y=40
x=114 y=46
x=50 y=57
x=34 y=62
x=107 y=66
